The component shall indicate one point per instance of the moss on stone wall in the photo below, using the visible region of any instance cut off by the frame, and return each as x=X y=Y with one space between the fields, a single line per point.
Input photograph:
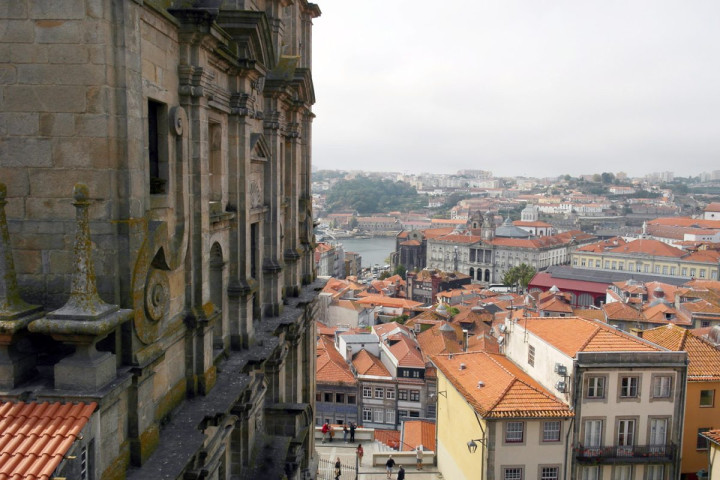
x=118 y=467
x=171 y=400
x=207 y=381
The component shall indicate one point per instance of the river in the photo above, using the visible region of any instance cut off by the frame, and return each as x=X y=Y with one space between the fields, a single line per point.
x=373 y=250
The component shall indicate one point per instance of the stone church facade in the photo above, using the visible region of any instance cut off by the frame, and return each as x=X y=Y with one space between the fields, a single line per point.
x=157 y=245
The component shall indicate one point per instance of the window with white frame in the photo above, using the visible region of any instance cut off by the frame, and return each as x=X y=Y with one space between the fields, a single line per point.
x=658 y=432
x=592 y=436
x=590 y=473
x=551 y=431
x=367 y=392
x=379 y=412
x=390 y=393
x=629 y=387
x=379 y=392
x=414 y=395
x=626 y=433
x=390 y=416
x=655 y=472
x=367 y=414
x=512 y=473
x=514 y=432
x=416 y=374
x=549 y=473
x=622 y=472
x=662 y=385
x=707 y=398
x=595 y=387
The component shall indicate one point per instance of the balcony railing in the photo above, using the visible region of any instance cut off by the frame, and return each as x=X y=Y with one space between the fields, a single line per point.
x=625 y=454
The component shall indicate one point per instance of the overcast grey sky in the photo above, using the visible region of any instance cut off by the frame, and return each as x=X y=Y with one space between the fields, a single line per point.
x=518 y=87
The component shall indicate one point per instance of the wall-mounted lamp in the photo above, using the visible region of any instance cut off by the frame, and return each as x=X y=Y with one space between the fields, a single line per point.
x=472 y=446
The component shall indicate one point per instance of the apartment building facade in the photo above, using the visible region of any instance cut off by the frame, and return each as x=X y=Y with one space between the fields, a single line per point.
x=627 y=394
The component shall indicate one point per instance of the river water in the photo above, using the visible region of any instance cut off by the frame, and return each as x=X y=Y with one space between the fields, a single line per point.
x=374 y=250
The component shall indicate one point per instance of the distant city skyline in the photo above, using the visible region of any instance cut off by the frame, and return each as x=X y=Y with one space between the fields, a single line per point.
x=520 y=88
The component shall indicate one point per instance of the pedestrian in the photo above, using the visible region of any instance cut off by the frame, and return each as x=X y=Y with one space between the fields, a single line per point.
x=389 y=466
x=360 y=453
x=345 y=433
x=418 y=456
x=331 y=432
x=352 y=432
x=401 y=473
x=325 y=428
x=338 y=471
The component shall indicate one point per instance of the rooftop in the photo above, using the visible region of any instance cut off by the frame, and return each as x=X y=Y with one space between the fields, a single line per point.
x=497 y=388
x=34 y=437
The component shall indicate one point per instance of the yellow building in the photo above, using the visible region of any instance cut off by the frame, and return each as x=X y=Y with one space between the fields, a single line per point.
x=702 y=409
x=713 y=458
x=495 y=421
x=651 y=257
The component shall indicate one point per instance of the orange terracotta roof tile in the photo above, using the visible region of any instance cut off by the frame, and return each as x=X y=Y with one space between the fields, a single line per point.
x=34 y=437
x=390 y=302
x=704 y=359
x=686 y=222
x=441 y=339
x=572 y=334
x=622 y=311
x=366 y=363
x=589 y=313
x=391 y=438
x=648 y=246
x=416 y=433
x=407 y=352
x=713 y=436
x=331 y=367
x=505 y=392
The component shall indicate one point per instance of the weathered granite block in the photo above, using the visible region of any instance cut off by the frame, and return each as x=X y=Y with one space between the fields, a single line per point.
x=85 y=373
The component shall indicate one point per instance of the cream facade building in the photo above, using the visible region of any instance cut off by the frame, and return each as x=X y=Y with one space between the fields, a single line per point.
x=627 y=395
x=157 y=157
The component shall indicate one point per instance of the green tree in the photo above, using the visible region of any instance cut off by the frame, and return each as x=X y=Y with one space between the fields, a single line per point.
x=400 y=270
x=521 y=274
x=371 y=195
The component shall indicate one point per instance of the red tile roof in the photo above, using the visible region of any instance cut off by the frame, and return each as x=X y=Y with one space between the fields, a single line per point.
x=704 y=359
x=366 y=363
x=713 y=436
x=649 y=246
x=571 y=335
x=34 y=437
x=505 y=391
x=407 y=352
x=331 y=367
x=391 y=438
x=418 y=432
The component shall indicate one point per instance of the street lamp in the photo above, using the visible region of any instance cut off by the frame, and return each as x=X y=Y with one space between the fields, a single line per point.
x=472 y=446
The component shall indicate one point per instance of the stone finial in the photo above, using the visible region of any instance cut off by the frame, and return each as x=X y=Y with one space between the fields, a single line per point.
x=85 y=319
x=84 y=302
x=12 y=307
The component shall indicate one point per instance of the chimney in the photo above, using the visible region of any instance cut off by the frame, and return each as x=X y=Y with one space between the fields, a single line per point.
x=465 y=340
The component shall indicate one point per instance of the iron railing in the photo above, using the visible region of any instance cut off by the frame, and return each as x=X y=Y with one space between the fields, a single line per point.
x=626 y=453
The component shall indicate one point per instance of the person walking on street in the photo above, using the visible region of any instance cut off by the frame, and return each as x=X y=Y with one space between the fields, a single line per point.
x=418 y=456
x=360 y=453
x=401 y=473
x=352 y=432
x=324 y=431
x=338 y=471
x=345 y=433
x=389 y=466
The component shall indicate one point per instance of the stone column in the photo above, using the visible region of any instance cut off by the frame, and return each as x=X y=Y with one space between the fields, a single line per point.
x=15 y=314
